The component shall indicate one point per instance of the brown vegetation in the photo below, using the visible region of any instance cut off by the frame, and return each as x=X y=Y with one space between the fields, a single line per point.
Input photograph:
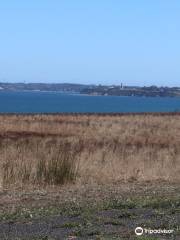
x=55 y=149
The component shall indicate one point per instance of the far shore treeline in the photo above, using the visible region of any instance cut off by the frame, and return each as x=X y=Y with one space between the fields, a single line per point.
x=104 y=90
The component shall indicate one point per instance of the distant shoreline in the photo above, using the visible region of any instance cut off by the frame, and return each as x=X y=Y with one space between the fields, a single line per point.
x=90 y=94
x=94 y=90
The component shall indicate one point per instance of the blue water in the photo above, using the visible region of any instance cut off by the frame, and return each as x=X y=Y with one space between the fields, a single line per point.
x=53 y=102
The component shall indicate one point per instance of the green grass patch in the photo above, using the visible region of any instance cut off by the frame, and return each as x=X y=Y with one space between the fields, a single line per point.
x=71 y=225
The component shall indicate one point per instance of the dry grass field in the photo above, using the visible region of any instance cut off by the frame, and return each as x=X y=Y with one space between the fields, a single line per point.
x=54 y=149
x=126 y=167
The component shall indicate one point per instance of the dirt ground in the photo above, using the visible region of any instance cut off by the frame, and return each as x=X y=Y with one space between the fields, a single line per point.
x=90 y=212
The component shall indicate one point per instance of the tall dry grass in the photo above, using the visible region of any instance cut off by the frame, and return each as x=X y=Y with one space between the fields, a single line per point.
x=33 y=161
x=55 y=149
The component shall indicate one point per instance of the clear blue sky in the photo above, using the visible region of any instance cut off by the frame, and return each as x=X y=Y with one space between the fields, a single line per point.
x=136 y=42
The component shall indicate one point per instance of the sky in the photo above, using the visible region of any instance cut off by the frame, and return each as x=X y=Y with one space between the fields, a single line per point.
x=90 y=42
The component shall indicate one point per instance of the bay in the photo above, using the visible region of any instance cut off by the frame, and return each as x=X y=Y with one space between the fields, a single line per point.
x=57 y=102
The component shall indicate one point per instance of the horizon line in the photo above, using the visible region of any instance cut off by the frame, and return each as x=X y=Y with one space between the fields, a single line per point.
x=89 y=84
